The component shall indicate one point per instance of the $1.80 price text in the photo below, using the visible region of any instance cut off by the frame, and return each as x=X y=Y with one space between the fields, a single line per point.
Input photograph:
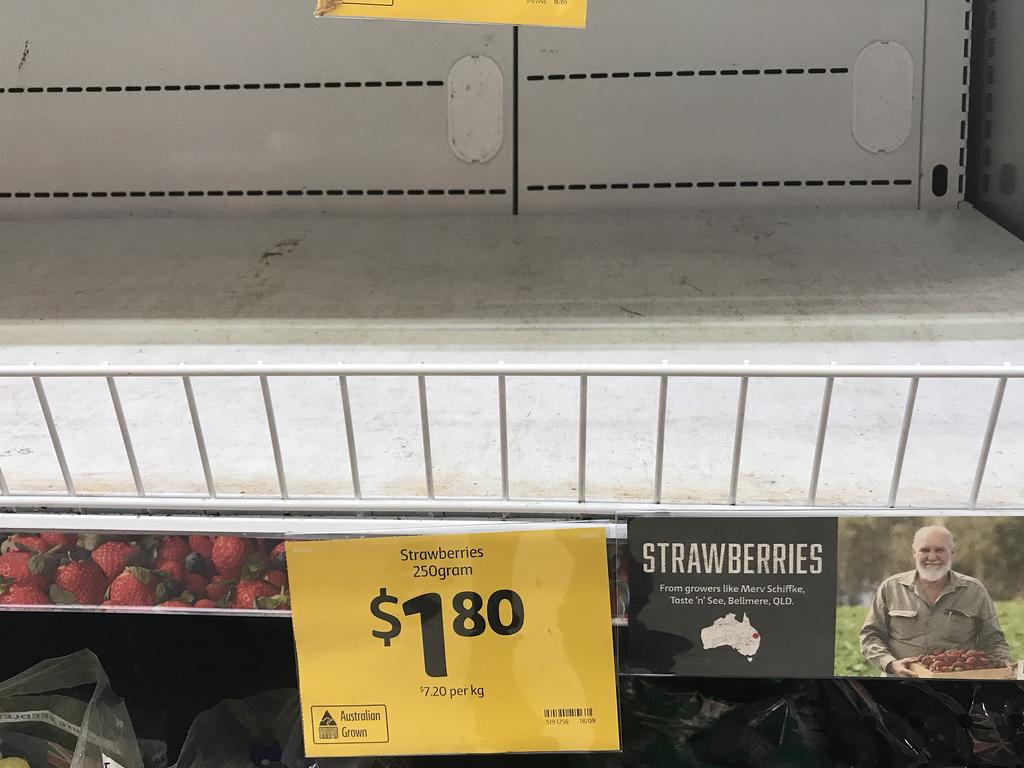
x=473 y=616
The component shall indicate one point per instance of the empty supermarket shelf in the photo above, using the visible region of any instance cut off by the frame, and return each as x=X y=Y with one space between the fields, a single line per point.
x=719 y=277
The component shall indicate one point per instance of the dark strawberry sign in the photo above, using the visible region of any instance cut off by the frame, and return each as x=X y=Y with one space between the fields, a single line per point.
x=732 y=597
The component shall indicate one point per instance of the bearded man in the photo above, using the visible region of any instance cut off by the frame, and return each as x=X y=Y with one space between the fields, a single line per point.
x=930 y=608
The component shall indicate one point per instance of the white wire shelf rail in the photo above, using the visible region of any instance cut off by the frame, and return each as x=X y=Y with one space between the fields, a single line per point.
x=580 y=506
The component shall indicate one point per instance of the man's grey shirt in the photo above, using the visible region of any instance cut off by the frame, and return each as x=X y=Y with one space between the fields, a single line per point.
x=900 y=622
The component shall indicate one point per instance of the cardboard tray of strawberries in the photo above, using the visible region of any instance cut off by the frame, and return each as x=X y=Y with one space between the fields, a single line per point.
x=68 y=571
x=962 y=664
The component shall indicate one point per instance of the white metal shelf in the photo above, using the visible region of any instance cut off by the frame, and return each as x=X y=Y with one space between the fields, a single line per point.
x=445 y=299
x=505 y=503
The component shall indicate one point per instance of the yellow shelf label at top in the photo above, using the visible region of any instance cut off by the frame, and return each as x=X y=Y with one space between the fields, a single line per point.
x=489 y=642
x=542 y=13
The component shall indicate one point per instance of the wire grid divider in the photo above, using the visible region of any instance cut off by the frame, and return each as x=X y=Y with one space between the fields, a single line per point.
x=580 y=507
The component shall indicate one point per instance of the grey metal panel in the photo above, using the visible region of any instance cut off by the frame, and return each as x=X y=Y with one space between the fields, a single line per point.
x=706 y=133
x=1000 y=112
x=114 y=42
x=247 y=96
x=779 y=138
x=695 y=104
x=945 y=104
x=698 y=34
x=240 y=141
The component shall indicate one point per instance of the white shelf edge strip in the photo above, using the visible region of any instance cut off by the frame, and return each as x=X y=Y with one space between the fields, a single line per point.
x=282 y=527
x=279 y=527
x=717 y=371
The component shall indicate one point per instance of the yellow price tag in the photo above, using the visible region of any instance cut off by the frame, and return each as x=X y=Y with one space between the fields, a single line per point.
x=542 y=13
x=489 y=642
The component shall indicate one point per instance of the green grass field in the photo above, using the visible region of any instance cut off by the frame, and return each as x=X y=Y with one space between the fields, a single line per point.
x=849 y=662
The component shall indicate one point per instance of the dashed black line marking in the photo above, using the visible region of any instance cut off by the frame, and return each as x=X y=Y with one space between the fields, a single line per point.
x=250 y=193
x=727 y=184
x=174 y=88
x=964 y=103
x=557 y=77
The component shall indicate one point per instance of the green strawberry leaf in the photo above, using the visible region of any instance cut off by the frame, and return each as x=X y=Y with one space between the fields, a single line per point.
x=271 y=603
x=90 y=540
x=253 y=568
x=61 y=596
x=163 y=594
x=141 y=574
x=36 y=564
x=223 y=602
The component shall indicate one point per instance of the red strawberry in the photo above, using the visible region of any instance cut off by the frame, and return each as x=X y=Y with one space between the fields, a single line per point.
x=219 y=588
x=19 y=594
x=24 y=569
x=113 y=557
x=278 y=558
x=81 y=583
x=63 y=540
x=172 y=549
x=229 y=555
x=277 y=578
x=201 y=544
x=196 y=583
x=174 y=604
x=133 y=587
x=173 y=568
x=247 y=592
x=205 y=604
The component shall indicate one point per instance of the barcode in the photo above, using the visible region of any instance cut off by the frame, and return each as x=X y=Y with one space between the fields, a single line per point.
x=570 y=712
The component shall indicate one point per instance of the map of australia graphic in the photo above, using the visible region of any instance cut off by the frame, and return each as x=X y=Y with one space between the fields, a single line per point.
x=727 y=632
